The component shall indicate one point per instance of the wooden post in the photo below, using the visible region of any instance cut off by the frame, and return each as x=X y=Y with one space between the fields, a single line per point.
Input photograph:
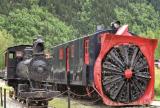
x=4 y=98
x=68 y=87
x=1 y=96
x=69 y=101
x=68 y=74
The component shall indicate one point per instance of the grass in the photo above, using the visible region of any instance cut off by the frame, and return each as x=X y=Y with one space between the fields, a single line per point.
x=157 y=84
x=63 y=103
x=58 y=103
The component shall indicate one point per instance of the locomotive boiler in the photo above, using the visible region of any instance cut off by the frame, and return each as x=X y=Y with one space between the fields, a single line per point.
x=34 y=65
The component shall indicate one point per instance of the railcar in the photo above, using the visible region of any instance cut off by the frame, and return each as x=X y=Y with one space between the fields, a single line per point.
x=118 y=65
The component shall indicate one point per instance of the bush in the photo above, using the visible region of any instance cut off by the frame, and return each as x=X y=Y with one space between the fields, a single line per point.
x=6 y=40
x=26 y=24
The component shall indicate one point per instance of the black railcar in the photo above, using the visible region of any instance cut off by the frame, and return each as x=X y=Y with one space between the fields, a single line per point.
x=76 y=57
x=109 y=62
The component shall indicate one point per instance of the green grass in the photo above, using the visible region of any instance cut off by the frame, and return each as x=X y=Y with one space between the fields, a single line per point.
x=157 y=84
x=157 y=98
x=58 y=103
x=63 y=103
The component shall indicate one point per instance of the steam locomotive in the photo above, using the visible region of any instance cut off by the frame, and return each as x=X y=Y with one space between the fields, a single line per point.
x=116 y=65
x=27 y=72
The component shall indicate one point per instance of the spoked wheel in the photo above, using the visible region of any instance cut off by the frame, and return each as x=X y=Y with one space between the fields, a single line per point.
x=125 y=73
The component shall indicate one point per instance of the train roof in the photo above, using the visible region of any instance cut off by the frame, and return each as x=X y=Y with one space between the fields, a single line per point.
x=17 y=47
x=98 y=32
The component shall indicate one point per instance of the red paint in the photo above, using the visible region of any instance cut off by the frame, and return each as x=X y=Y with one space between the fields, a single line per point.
x=86 y=50
x=67 y=60
x=72 y=51
x=123 y=31
x=128 y=73
x=61 y=53
x=147 y=46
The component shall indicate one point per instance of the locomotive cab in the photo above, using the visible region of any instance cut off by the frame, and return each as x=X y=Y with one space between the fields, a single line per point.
x=13 y=56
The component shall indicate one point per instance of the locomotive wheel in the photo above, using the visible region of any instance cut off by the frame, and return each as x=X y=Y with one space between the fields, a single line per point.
x=125 y=73
x=32 y=103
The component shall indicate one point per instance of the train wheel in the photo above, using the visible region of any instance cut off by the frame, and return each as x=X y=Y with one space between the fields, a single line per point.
x=33 y=103
x=125 y=73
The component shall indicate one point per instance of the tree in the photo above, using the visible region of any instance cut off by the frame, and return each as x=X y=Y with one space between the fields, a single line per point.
x=25 y=24
x=155 y=3
x=155 y=35
x=140 y=17
x=78 y=13
x=6 y=41
x=142 y=20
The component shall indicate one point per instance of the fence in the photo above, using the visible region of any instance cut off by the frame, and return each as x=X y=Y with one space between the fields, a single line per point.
x=3 y=96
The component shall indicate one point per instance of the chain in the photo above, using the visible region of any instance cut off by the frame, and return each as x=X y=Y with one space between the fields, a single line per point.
x=83 y=94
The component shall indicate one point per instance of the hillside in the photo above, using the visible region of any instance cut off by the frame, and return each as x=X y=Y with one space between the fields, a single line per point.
x=61 y=20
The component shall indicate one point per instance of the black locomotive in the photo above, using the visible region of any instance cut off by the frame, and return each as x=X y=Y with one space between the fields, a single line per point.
x=27 y=72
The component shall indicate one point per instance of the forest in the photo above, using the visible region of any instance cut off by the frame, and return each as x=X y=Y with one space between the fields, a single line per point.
x=62 y=20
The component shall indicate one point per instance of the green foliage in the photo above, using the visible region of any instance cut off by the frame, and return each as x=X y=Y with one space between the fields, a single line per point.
x=142 y=20
x=85 y=23
x=73 y=12
x=155 y=3
x=26 y=24
x=61 y=20
x=6 y=41
x=2 y=21
x=157 y=83
x=103 y=10
x=140 y=17
x=155 y=35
